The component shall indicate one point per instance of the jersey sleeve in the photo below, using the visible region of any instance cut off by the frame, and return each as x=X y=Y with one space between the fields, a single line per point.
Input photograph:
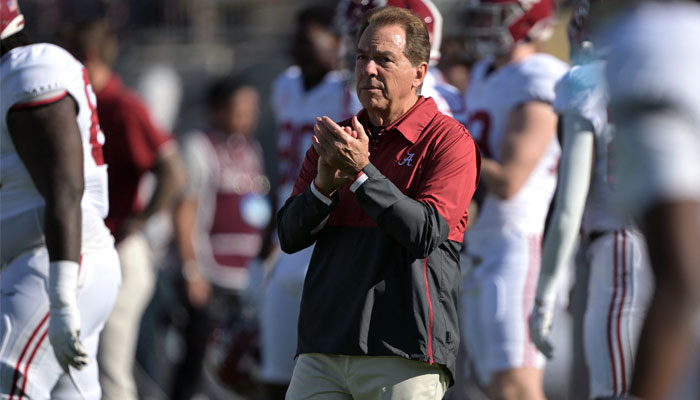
x=582 y=91
x=540 y=76
x=146 y=140
x=45 y=76
x=196 y=151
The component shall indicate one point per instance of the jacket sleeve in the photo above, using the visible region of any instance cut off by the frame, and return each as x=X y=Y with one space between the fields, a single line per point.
x=423 y=223
x=304 y=213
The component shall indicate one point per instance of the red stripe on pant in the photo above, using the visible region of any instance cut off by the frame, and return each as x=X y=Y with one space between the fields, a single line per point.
x=610 y=315
x=29 y=362
x=15 y=377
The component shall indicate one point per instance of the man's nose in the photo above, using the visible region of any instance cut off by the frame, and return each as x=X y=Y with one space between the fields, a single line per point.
x=370 y=68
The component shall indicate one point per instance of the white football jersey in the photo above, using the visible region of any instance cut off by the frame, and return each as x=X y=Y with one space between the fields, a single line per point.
x=37 y=74
x=296 y=110
x=491 y=97
x=654 y=61
x=583 y=91
x=447 y=97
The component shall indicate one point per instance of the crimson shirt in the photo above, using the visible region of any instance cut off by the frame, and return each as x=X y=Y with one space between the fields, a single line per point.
x=132 y=143
x=425 y=164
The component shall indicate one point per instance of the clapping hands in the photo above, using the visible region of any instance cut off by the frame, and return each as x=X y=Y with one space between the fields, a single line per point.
x=343 y=152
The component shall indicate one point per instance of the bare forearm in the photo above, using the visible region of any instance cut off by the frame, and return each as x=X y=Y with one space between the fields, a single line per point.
x=498 y=179
x=663 y=346
x=63 y=223
x=170 y=179
x=185 y=222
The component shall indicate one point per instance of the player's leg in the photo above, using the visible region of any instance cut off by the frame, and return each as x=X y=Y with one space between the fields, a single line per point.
x=279 y=317
x=619 y=290
x=600 y=358
x=117 y=350
x=474 y=303
x=196 y=331
x=99 y=280
x=27 y=364
x=514 y=363
x=579 y=381
x=469 y=384
x=640 y=278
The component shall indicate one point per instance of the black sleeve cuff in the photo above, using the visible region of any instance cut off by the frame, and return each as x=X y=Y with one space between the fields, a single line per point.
x=377 y=193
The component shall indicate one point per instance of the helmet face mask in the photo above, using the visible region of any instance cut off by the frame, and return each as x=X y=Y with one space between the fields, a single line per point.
x=580 y=41
x=494 y=27
x=487 y=28
x=11 y=19
x=586 y=17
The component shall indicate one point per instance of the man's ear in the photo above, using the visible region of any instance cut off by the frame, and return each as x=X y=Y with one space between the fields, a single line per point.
x=421 y=71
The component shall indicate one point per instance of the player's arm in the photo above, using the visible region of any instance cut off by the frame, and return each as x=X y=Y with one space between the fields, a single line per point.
x=572 y=189
x=530 y=129
x=47 y=139
x=185 y=221
x=170 y=180
x=672 y=229
x=167 y=167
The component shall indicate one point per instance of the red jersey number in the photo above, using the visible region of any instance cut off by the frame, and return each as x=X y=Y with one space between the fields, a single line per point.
x=94 y=122
x=293 y=141
x=479 y=124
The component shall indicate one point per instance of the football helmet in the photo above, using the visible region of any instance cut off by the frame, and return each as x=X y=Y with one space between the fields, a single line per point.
x=495 y=26
x=586 y=16
x=11 y=19
x=349 y=15
x=580 y=41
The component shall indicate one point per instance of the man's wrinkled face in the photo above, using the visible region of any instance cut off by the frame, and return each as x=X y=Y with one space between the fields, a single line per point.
x=383 y=74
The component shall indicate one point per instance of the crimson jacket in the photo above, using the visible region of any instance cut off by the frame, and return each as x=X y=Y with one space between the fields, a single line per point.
x=384 y=275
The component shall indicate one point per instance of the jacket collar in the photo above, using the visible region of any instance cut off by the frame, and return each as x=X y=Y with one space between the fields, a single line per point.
x=411 y=124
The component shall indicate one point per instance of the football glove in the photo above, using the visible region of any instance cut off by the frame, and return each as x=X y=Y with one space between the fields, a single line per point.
x=64 y=316
x=541 y=320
